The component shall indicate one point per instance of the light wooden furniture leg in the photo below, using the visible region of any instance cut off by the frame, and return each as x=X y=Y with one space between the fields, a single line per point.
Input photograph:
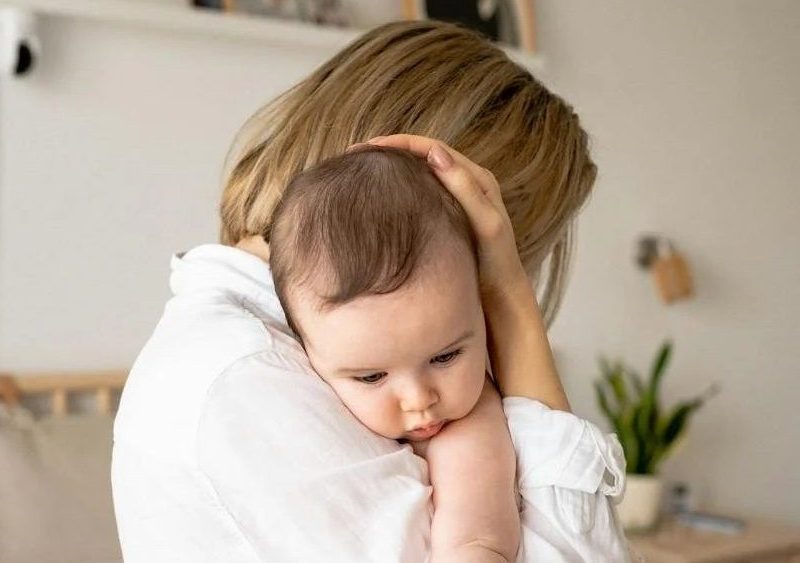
x=103 y=398
x=59 y=404
x=13 y=388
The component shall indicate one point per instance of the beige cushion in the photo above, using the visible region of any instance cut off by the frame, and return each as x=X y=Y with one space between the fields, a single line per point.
x=55 y=491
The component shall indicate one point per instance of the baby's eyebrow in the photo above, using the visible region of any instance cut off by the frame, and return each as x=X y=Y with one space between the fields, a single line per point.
x=467 y=335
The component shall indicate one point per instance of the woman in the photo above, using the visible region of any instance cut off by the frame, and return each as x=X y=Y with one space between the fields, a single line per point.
x=227 y=445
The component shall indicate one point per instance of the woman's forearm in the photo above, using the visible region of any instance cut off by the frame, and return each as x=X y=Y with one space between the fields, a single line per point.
x=521 y=357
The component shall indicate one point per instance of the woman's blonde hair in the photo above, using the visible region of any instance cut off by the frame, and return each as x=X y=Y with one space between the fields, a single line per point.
x=438 y=80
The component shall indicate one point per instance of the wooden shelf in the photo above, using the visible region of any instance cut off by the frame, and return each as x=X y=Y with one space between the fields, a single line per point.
x=176 y=16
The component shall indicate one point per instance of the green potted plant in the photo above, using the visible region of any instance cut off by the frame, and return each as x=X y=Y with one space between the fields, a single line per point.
x=647 y=431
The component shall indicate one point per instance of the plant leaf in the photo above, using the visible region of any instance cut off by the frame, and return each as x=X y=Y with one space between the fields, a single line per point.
x=630 y=442
x=660 y=364
x=602 y=400
x=643 y=438
x=673 y=426
x=648 y=413
x=616 y=379
x=636 y=382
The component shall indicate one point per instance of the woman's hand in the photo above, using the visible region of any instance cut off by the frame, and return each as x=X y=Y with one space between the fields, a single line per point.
x=478 y=192
x=518 y=347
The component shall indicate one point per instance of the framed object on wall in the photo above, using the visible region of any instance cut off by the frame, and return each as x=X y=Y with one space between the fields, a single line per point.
x=321 y=12
x=507 y=21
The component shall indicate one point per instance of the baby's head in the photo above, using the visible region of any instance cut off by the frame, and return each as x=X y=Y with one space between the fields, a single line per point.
x=375 y=265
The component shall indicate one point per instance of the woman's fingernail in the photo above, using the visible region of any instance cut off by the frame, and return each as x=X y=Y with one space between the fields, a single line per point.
x=439 y=158
x=376 y=139
x=355 y=146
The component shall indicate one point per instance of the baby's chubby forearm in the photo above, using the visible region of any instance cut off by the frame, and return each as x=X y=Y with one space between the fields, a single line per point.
x=472 y=467
x=469 y=554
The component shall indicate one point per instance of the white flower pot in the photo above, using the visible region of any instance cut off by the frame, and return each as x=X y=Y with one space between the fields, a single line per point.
x=640 y=507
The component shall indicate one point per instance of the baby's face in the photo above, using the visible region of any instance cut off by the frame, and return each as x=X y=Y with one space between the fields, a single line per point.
x=409 y=359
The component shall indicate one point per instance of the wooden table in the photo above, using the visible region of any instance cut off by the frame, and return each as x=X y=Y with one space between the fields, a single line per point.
x=759 y=542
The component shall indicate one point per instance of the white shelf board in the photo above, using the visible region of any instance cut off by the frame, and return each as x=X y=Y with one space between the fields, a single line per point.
x=176 y=16
x=182 y=18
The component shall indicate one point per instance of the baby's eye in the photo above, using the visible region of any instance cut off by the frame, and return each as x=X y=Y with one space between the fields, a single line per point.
x=372 y=378
x=446 y=358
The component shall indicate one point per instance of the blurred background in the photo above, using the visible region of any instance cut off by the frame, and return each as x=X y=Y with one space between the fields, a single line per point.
x=111 y=153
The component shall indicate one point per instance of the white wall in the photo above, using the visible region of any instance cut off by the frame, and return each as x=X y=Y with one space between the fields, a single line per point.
x=111 y=161
x=694 y=109
x=110 y=158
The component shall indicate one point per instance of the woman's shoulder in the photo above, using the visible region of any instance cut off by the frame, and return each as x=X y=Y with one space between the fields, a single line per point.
x=289 y=413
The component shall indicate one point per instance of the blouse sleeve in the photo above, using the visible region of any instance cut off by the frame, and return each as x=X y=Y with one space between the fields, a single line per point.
x=570 y=474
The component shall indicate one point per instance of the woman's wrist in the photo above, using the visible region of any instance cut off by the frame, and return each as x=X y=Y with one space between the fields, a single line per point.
x=513 y=286
x=516 y=298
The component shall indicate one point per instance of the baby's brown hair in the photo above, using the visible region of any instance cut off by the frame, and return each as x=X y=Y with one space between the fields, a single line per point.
x=360 y=222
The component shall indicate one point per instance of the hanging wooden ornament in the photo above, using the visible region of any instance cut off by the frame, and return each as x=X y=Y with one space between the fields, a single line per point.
x=671 y=274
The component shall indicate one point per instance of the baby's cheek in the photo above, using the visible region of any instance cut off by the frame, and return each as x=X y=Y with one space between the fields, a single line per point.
x=376 y=414
x=479 y=380
x=471 y=388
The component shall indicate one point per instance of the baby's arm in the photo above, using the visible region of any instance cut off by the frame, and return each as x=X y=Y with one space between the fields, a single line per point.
x=472 y=468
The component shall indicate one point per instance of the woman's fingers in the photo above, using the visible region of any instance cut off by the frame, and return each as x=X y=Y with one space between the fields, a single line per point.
x=473 y=199
x=428 y=148
x=473 y=186
x=478 y=192
x=417 y=144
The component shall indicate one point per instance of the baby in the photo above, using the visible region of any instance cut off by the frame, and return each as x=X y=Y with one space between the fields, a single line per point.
x=375 y=265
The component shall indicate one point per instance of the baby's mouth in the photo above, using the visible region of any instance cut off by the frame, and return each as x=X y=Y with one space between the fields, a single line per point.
x=426 y=432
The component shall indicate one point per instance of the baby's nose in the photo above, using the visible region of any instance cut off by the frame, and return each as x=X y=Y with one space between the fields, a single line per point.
x=418 y=396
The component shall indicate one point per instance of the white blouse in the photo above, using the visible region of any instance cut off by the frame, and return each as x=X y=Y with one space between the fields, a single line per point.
x=229 y=448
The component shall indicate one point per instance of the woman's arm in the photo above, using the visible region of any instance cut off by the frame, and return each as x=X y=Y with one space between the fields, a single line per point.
x=522 y=360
